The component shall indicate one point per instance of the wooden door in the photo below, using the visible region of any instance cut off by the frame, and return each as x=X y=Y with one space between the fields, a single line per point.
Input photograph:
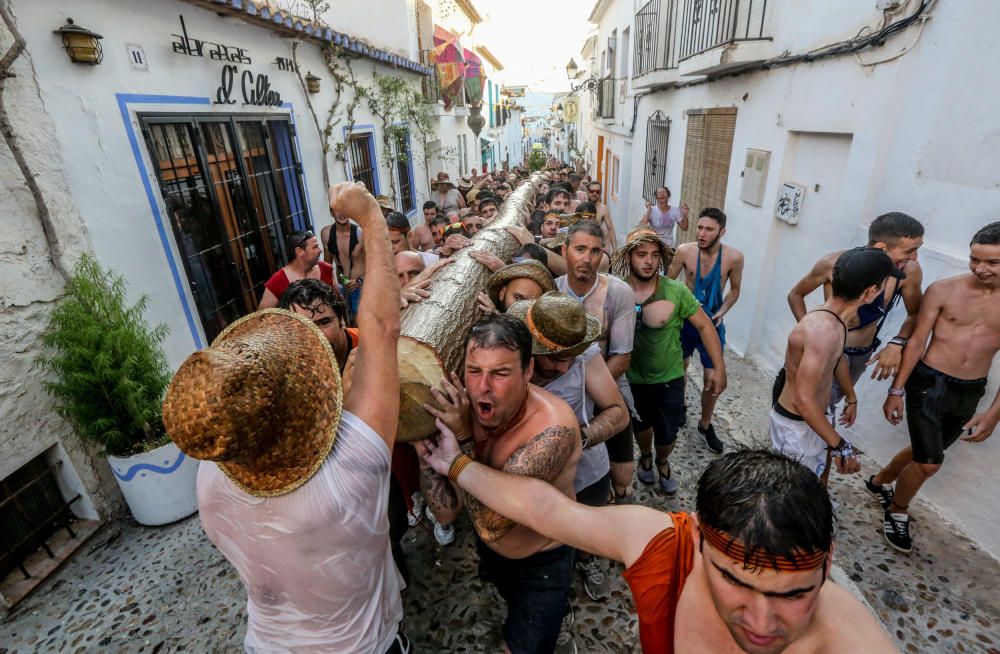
x=707 y=153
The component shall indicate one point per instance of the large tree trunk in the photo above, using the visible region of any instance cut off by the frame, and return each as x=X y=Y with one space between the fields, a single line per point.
x=433 y=331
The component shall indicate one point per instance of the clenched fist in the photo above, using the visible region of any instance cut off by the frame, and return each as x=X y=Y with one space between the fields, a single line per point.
x=354 y=201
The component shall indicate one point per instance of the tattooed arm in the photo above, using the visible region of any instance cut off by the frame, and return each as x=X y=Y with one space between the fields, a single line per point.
x=543 y=457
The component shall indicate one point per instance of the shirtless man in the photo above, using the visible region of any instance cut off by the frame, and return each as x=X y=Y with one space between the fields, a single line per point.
x=304 y=255
x=725 y=579
x=899 y=236
x=801 y=426
x=662 y=217
x=943 y=380
x=512 y=425
x=422 y=236
x=345 y=249
x=603 y=215
x=708 y=268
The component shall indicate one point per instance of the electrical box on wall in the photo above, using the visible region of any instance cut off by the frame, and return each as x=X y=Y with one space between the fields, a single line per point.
x=755 y=176
x=789 y=202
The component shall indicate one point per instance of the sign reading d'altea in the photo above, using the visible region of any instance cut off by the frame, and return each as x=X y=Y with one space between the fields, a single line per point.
x=255 y=90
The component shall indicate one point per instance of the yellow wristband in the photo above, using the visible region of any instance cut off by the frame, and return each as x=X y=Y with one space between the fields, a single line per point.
x=457 y=466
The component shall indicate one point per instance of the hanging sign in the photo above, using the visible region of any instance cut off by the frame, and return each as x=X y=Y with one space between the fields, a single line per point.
x=256 y=90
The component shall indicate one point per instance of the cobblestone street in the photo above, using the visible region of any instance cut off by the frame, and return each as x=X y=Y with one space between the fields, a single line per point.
x=134 y=589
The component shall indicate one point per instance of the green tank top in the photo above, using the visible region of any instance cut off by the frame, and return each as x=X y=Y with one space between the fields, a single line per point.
x=656 y=352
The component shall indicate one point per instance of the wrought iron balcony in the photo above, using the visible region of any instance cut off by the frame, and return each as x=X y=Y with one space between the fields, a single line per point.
x=606 y=98
x=656 y=43
x=707 y=24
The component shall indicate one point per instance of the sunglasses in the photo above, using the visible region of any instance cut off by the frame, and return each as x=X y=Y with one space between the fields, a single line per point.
x=305 y=237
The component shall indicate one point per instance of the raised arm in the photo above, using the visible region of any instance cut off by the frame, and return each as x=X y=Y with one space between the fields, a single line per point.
x=620 y=532
x=816 y=277
x=375 y=388
x=683 y=223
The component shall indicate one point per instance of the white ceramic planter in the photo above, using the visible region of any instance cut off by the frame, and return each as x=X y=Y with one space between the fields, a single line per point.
x=159 y=485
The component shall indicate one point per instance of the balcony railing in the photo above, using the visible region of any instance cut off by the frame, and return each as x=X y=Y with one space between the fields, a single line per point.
x=655 y=37
x=606 y=98
x=429 y=83
x=711 y=23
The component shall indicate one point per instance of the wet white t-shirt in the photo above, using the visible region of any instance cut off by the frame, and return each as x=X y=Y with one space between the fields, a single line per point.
x=316 y=562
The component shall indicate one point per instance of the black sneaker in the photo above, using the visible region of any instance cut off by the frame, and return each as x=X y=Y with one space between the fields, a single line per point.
x=896 y=528
x=883 y=493
x=713 y=442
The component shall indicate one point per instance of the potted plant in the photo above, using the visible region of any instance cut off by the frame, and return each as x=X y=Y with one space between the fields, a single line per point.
x=109 y=376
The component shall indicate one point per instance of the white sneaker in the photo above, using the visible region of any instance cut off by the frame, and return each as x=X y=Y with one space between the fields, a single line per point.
x=414 y=517
x=443 y=534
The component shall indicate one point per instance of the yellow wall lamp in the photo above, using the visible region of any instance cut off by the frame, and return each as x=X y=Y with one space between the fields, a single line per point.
x=82 y=45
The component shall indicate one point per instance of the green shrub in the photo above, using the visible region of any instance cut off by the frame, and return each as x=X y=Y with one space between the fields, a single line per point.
x=536 y=160
x=109 y=373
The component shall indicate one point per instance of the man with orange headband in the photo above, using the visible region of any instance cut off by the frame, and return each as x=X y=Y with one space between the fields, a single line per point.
x=724 y=579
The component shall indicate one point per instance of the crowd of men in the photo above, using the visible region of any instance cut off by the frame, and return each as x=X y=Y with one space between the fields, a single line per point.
x=580 y=351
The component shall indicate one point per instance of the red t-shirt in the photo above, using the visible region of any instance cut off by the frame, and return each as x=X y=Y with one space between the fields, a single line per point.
x=657 y=579
x=278 y=283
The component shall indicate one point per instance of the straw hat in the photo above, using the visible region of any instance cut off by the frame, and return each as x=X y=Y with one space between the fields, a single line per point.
x=531 y=269
x=558 y=324
x=442 y=178
x=635 y=238
x=465 y=182
x=385 y=202
x=263 y=402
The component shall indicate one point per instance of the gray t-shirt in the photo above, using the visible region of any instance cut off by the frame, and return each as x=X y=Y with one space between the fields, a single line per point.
x=612 y=302
x=571 y=387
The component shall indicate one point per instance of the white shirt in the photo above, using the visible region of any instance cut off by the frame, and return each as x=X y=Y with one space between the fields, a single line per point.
x=315 y=562
x=663 y=222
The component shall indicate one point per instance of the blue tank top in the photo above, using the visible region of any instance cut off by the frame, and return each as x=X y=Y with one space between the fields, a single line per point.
x=708 y=289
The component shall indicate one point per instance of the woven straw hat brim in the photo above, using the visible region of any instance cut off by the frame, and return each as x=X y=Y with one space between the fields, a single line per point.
x=306 y=401
x=499 y=279
x=519 y=310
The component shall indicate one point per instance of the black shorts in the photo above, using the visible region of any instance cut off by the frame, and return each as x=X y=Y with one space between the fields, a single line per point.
x=536 y=590
x=937 y=406
x=597 y=493
x=660 y=408
x=620 y=446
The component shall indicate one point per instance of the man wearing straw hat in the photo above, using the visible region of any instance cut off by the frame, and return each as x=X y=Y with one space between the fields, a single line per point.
x=578 y=374
x=656 y=370
x=510 y=424
x=526 y=280
x=297 y=496
x=446 y=196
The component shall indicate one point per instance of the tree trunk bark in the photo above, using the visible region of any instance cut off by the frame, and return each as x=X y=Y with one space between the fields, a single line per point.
x=433 y=331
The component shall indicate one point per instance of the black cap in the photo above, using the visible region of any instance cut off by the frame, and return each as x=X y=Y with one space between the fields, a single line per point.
x=861 y=268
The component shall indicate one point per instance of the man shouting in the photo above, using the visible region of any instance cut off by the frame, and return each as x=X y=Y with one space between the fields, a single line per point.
x=509 y=424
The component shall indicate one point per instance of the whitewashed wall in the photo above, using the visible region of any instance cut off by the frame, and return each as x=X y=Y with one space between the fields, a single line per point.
x=916 y=135
x=75 y=121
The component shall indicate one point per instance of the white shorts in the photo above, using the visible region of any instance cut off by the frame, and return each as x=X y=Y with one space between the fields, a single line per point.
x=796 y=440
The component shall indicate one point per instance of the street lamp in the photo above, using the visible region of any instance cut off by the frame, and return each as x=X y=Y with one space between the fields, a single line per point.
x=572 y=70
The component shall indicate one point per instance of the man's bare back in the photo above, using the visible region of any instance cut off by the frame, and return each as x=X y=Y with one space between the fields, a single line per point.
x=966 y=331
x=543 y=443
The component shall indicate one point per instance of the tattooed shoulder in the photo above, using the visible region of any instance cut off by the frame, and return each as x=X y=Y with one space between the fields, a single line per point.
x=545 y=455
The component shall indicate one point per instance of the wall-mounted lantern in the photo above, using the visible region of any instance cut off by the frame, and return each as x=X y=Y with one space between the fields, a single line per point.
x=312 y=83
x=82 y=45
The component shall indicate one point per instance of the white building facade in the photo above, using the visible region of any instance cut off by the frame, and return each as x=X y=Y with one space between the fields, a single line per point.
x=725 y=103
x=181 y=161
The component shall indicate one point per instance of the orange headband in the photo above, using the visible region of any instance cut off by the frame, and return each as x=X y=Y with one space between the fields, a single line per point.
x=760 y=559
x=537 y=335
